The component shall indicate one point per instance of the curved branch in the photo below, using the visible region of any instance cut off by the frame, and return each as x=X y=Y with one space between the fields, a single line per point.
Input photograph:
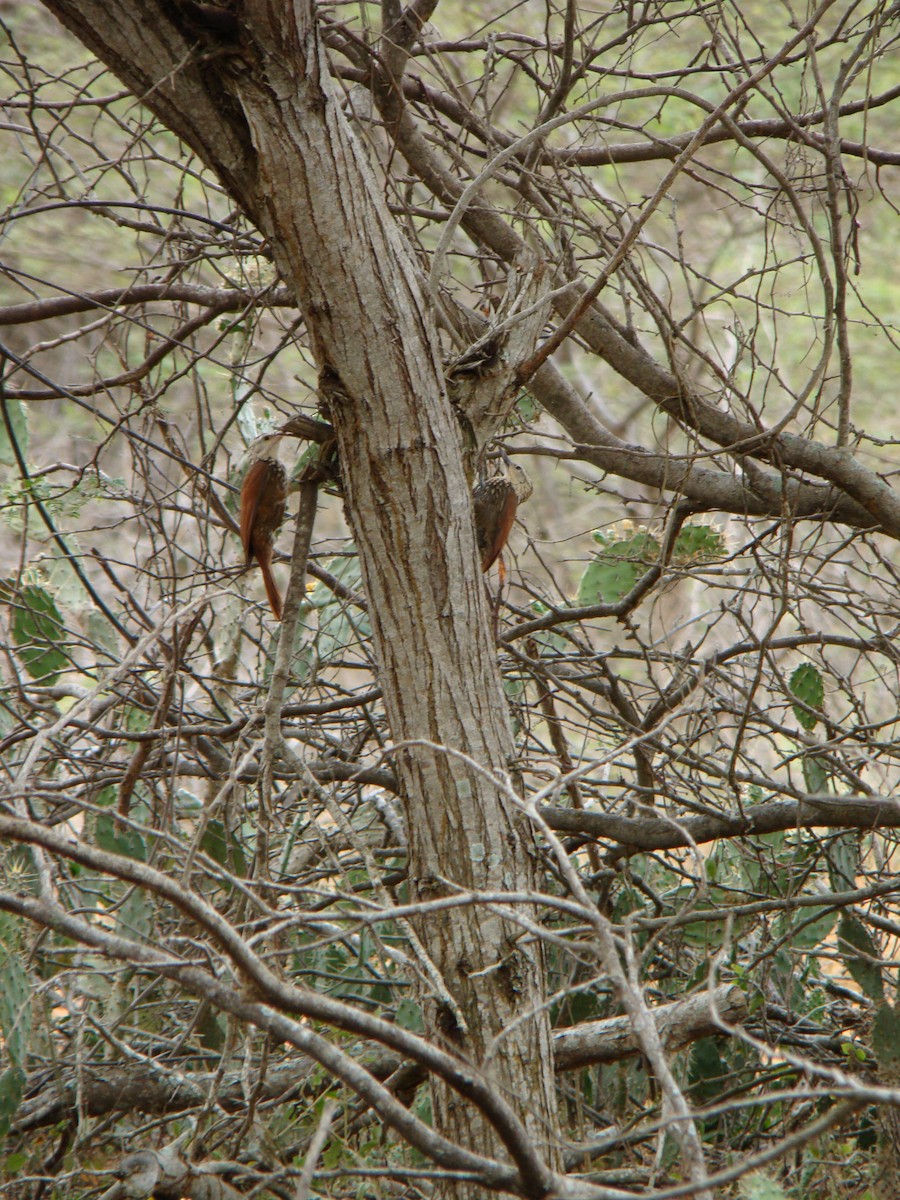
x=218 y=299
x=679 y=1024
x=416 y=90
x=272 y=990
x=874 y=502
x=169 y=344
x=634 y=835
x=228 y=998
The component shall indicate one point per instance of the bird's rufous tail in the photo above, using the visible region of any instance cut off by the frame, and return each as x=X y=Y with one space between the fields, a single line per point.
x=271 y=587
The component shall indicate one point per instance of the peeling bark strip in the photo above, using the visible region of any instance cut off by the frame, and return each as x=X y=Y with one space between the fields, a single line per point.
x=264 y=116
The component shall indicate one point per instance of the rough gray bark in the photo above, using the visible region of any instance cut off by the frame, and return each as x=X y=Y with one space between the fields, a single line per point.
x=264 y=117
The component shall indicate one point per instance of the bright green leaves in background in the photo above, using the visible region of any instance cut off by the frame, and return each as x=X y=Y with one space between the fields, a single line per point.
x=860 y=955
x=117 y=838
x=760 y=1187
x=342 y=628
x=808 y=687
x=622 y=561
x=857 y=948
x=38 y=631
x=886 y=1039
x=223 y=847
x=616 y=569
x=17 y=416
x=15 y=1020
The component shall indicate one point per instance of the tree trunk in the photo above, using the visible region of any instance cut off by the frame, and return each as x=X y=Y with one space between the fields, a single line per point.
x=266 y=119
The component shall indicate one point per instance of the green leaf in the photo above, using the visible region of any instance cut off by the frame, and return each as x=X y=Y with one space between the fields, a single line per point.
x=306 y=458
x=15 y=1006
x=37 y=629
x=210 y=1030
x=886 y=1036
x=346 y=568
x=807 y=685
x=761 y=1187
x=12 y=1087
x=332 y=1155
x=853 y=935
x=786 y=977
x=640 y=546
x=607 y=581
x=134 y=917
x=527 y=407
x=136 y=720
x=341 y=625
x=707 y=1074
x=816 y=773
x=842 y=854
x=577 y=1006
x=617 y=567
x=222 y=847
x=101 y=631
x=698 y=542
x=707 y=935
x=813 y=932
x=115 y=838
x=409 y=1016
x=215 y=842
x=421 y=1105
x=19 y=421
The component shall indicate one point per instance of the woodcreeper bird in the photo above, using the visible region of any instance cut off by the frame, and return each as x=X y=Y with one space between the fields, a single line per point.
x=495 y=502
x=263 y=500
x=264 y=497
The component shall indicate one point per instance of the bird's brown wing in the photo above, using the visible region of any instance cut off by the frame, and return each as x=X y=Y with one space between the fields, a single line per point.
x=494 y=503
x=252 y=490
